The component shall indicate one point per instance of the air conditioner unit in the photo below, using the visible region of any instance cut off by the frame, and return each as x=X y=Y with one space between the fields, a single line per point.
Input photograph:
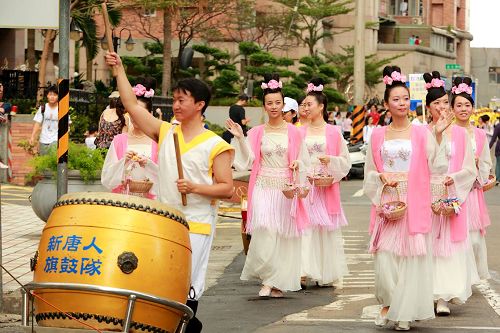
x=450 y=47
x=417 y=20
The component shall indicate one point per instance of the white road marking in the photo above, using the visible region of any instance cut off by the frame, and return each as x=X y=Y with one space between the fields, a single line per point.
x=359 y=193
x=491 y=296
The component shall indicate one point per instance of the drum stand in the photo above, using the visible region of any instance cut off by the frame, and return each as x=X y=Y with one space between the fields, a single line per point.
x=131 y=295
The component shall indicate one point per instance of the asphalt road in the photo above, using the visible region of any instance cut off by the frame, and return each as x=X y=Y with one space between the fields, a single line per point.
x=232 y=306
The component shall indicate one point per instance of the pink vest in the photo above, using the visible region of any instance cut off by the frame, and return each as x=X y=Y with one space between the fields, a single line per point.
x=419 y=187
x=333 y=142
x=480 y=136
x=294 y=143
x=458 y=226
x=120 y=143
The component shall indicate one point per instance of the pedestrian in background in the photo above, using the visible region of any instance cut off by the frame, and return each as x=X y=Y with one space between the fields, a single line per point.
x=237 y=114
x=347 y=126
x=496 y=138
x=112 y=122
x=46 y=122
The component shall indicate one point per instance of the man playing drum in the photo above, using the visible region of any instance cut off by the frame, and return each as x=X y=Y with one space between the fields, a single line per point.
x=206 y=162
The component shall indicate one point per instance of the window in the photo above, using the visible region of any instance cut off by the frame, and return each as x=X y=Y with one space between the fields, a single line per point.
x=494 y=75
x=406 y=7
x=148 y=12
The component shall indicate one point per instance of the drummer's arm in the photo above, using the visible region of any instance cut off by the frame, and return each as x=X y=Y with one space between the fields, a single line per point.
x=222 y=187
x=144 y=120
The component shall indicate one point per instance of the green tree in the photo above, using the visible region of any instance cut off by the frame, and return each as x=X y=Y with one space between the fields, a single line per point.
x=344 y=62
x=312 y=19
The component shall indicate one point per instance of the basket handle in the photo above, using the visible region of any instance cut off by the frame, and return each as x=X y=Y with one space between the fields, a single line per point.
x=384 y=191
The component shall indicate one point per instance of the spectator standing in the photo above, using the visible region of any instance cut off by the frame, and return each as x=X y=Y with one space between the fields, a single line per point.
x=419 y=119
x=46 y=122
x=347 y=126
x=112 y=122
x=90 y=139
x=496 y=138
x=4 y=107
x=290 y=109
x=237 y=114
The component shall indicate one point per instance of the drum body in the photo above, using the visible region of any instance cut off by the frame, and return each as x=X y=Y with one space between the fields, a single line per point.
x=116 y=241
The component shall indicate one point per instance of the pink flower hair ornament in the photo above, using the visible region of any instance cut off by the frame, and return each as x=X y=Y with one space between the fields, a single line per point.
x=273 y=84
x=141 y=91
x=312 y=87
x=395 y=77
x=462 y=88
x=435 y=83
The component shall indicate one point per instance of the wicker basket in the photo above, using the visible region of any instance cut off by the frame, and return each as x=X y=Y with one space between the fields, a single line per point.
x=320 y=181
x=290 y=191
x=303 y=191
x=397 y=208
x=139 y=186
x=490 y=184
x=444 y=210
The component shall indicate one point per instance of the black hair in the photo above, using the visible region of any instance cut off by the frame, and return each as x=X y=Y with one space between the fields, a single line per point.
x=418 y=111
x=320 y=96
x=456 y=83
x=197 y=88
x=368 y=118
x=92 y=128
x=243 y=97
x=148 y=83
x=388 y=87
x=433 y=93
x=120 y=111
x=485 y=118
x=267 y=91
x=296 y=117
x=51 y=89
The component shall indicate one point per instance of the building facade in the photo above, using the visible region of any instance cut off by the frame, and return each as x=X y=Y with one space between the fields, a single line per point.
x=485 y=67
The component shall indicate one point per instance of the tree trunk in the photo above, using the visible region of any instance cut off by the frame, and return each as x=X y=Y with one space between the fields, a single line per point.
x=48 y=47
x=90 y=66
x=167 y=52
x=31 y=50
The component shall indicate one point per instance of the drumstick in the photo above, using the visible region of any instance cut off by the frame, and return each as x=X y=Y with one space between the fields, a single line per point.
x=179 y=165
x=108 y=33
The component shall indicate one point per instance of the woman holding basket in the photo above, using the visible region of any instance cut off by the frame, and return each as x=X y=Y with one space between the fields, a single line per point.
x=323 y=257
x=397 y=180
x=131 y=164
x=462 y=105
x=454 y=269
x=275 y=152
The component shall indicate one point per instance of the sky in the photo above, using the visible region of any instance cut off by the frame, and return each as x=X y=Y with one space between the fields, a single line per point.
x=484 y=16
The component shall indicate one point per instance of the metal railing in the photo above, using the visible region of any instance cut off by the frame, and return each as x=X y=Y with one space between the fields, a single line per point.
x=131 y=295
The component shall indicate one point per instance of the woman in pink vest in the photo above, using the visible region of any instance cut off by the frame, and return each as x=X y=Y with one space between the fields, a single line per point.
x=477 y=211
x=272 y=151
x=132 y=155
x=323 y=258
x=400 y=158
x=451 y=246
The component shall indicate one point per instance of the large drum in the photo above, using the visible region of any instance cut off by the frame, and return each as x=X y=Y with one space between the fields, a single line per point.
x=114 y=241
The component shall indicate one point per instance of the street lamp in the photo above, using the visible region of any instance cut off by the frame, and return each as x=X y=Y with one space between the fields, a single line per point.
x=74 y=30
x=129 y=43
x=95 y=70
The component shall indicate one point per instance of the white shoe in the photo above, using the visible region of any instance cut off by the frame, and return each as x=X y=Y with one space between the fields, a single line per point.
x=402 y=326
x=442 y=308
x=381 y=320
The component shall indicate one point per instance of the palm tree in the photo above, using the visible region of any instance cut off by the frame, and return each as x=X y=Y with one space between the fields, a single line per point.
x=83 y=13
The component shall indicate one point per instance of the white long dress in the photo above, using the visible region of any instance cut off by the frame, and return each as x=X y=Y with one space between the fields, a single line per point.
x=274 y=252
x=454 y=266
x=323 y=257
x=403 y=262
x=478 y=239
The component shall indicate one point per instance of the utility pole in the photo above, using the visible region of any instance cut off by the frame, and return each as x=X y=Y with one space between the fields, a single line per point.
x=359 y=53
x=63 y=87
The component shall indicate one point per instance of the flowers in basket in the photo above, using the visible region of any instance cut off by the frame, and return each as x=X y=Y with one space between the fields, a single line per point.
x=139 y=186
x=394 y=209
x=490 y=183
x=446 y=206
x=292 y=189
x=321 y=178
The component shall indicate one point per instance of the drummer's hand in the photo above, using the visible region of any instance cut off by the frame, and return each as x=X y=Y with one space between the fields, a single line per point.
x=294 y=165
x=184 y=186
x=448 y=181
x=325 y=159
x=113 y=59
x=385 y=180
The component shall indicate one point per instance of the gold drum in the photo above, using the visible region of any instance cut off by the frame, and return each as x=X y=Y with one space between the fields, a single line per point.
x=115 y=241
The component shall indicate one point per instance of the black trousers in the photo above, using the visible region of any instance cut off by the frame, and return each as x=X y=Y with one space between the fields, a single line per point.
x=194 y=325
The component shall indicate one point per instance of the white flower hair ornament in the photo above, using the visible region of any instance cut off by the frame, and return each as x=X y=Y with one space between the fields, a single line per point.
x=312 y=87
